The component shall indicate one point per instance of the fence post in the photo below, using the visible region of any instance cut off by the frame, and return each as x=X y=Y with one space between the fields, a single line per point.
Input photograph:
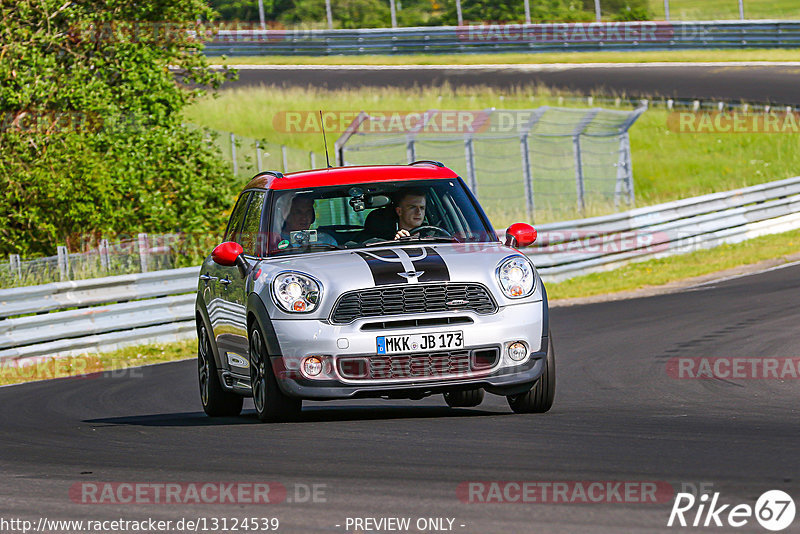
x=597 y=13
x=258 y=156
x=285 y=159
x=469 y=155
x=411 y=154
x=63 y=262
x=144 y=251
x=576 y=144
x=666 y=10
x=313 y=160
x=16 y=265
x=741 y=9
x=102 y=249
x=527 y=176
x=233 y=156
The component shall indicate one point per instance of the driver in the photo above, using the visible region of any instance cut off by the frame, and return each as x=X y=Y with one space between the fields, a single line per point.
x=410 y=211
x=301 y=216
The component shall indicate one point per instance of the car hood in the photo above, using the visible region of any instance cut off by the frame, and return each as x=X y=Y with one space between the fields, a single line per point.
x=368 y=268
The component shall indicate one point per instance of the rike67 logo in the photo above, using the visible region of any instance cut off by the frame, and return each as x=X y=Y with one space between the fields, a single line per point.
x=774 y=510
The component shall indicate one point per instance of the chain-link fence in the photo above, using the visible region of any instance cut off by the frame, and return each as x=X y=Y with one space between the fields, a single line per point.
x=249 y=156
x=146 y=252
x=542 y=164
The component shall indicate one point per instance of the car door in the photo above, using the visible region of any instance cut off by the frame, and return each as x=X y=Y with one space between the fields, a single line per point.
x=221 y=313
x=233 y=288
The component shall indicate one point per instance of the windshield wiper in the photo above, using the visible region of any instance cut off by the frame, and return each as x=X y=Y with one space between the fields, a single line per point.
x=449 y=239
x=412 y=240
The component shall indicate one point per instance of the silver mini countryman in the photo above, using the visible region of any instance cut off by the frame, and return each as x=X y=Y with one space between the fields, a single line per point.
x=379 y=281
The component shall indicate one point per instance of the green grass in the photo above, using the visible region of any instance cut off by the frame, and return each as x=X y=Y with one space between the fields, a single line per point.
x=726 y=9
x=663 y=271
x=520 y=58
x=666 y=165
x=91 y=363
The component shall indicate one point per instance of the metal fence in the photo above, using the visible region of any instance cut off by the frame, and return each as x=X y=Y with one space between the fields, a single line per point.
x=546 y=162
x=483 y=38
x=147 y=252
x=249 y=156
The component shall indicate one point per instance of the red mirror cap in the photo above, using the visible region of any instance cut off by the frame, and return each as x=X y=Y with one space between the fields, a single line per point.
x=524 y=234
x=226 y=253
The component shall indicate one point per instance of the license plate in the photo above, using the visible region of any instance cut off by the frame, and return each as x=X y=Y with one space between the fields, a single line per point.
x=420 y=342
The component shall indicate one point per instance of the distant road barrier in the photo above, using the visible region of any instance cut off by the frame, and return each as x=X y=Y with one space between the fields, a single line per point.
x=107 y=313
x=482 y=38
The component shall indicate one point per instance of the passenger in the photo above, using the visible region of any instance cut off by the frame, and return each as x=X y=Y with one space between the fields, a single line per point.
x=300 y=218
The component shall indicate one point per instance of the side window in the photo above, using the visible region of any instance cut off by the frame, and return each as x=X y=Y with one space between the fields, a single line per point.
x=235 y=223
x=252 y=239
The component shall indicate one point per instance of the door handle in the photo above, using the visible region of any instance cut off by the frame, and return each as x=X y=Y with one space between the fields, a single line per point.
x=208 y=278
x=225 y=282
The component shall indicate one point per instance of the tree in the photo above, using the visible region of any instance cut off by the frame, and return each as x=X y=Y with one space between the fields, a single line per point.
x=91 y=140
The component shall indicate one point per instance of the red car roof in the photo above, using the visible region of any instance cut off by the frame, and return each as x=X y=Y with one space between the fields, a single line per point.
x=351 y=175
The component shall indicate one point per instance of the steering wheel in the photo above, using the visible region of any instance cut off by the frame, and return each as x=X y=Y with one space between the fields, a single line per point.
x=419 y=229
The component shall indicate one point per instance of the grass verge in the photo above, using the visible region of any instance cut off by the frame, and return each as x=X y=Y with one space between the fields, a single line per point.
x=90 y=365
x=514 y=58
x=658 y=272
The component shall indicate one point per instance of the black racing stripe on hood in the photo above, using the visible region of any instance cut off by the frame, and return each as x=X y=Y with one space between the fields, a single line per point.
x=433 y=266
x=383 y=272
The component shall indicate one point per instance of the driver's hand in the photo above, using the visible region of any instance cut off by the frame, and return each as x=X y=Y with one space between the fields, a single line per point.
x=401 y=233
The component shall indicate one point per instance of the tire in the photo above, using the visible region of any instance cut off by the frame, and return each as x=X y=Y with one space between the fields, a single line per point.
x=216 y=401
x=539 y=398
x=467 y=398
x=271 y=404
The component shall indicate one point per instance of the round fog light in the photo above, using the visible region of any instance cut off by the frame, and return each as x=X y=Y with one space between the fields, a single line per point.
x=312 y=366
x=517 y=351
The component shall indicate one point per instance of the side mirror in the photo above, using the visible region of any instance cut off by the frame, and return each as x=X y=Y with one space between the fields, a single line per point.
x=229 y=254
x=520 y=235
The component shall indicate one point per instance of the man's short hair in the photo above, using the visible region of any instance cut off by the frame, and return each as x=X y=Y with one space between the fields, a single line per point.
x=408 y=192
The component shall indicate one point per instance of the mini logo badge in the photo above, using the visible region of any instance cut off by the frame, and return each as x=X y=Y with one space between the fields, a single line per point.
x=411 y=274
x=457 y=303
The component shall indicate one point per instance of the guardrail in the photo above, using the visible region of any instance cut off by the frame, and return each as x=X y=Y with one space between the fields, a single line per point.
x=572 y=248
x=595 y=36
x=106 y=313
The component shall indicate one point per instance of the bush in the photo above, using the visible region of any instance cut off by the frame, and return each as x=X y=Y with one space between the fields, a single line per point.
x=91 y=141
x=476 y=11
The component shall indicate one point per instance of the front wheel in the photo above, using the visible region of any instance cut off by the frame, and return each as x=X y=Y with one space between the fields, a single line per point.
x=271 y=404
x=216 y=401
x=539 y=398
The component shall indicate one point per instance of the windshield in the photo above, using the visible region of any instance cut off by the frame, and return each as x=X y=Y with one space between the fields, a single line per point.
x=364 y=215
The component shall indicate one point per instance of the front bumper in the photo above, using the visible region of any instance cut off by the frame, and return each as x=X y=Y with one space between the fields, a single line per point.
x=521 y=322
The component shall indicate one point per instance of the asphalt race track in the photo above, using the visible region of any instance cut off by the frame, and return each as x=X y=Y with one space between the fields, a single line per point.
x=750 y=83
x=618 y=416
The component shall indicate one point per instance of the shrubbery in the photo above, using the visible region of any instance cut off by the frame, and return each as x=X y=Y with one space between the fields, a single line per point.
x=91 y=140
x=375 y=13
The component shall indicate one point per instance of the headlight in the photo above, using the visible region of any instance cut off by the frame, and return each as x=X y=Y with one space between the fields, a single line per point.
x=516 y=277
x=295 y=292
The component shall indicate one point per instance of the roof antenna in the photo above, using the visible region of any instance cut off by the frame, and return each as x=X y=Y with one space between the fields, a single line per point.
x=324 y=140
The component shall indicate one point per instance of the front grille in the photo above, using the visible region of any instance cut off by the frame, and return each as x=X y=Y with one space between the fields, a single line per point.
x=418 y=366
x=412 y=298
